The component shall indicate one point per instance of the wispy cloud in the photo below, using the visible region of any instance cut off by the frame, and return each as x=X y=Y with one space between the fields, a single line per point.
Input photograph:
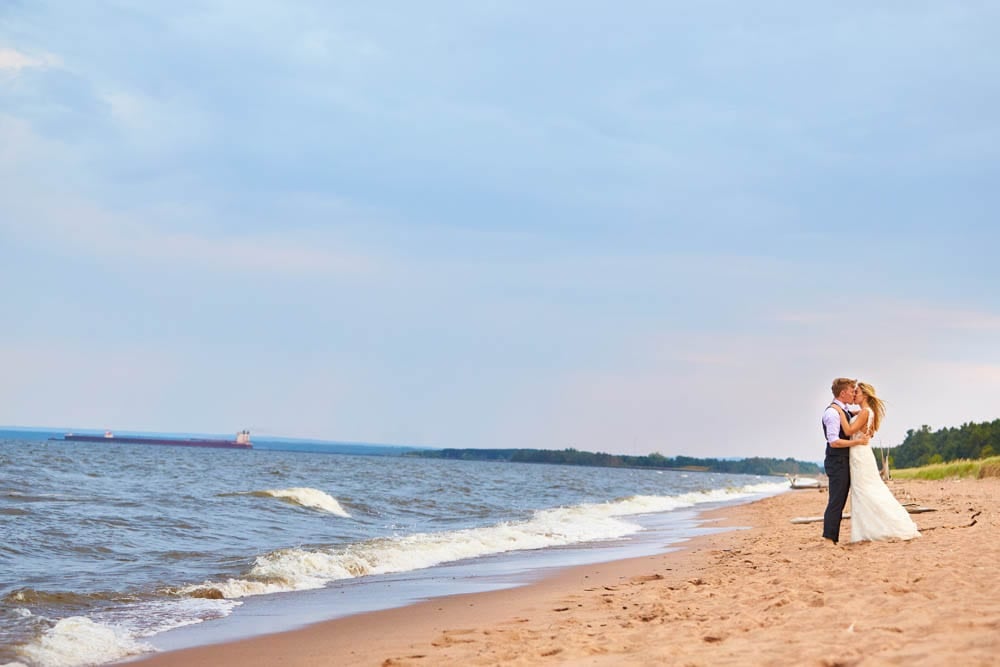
x=12 y=60
x=949 y=317
x=44 y=211
x=981 y=374
x=153 y=127
x=809 y=317
x=102 y=235
x=896 y=316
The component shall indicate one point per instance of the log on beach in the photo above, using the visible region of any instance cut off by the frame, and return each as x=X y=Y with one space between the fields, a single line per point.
x=909 y=507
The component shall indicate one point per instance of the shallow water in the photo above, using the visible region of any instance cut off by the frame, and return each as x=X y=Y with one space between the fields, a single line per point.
x=107 y=547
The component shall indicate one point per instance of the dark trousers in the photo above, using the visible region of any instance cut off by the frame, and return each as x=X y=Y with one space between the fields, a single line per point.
x=838 y=471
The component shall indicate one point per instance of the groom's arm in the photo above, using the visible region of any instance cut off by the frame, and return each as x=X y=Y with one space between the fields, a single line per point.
x=862 y=440
x=831 y=420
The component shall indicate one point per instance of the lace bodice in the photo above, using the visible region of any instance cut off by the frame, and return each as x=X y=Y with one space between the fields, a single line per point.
x=867 y=428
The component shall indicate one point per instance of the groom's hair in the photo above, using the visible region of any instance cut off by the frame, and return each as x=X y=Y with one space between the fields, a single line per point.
x=840 y=384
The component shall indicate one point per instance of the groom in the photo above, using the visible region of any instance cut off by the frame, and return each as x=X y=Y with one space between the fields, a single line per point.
x=838 y=460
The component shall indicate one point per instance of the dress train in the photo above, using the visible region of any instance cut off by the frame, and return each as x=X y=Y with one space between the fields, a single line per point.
x=875 y=512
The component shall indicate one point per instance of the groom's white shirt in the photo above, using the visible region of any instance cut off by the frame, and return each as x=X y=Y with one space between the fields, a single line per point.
x=831 y=421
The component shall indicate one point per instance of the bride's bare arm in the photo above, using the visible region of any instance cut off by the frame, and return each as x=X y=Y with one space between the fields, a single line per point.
x=850 y=428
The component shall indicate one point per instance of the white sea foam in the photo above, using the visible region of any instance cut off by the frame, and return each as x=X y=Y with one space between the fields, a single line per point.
x=307 y=497
x=300 y=569
x=112 y=635
x=648 y=504
x=77 y=641
x=151 y=617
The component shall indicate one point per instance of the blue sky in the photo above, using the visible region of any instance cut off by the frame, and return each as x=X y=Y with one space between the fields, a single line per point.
x=632 y=228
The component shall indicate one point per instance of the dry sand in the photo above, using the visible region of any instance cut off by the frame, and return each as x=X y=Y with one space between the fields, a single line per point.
x=773 y=593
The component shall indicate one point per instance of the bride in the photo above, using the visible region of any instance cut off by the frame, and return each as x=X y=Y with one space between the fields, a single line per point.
x=875 y=512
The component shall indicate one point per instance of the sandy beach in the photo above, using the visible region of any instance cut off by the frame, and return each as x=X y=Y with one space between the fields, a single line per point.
x=767 y=592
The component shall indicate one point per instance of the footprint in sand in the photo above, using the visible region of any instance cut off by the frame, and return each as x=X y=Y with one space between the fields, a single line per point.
x=446 y=639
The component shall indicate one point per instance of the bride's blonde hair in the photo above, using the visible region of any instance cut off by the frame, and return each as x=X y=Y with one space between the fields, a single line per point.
x=874 y=402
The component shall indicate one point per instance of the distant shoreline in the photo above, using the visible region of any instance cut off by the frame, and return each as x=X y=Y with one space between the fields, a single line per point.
x=263 y=443
x=744 y=466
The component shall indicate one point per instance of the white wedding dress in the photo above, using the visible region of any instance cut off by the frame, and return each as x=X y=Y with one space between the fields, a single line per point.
x=875 y=512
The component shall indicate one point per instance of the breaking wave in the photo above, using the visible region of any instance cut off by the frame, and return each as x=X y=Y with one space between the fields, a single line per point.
x=307 y=497
x=301 y=569
x=77 y=641
x=111 y=634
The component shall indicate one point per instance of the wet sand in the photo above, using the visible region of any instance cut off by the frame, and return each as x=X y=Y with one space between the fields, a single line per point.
x=768 y=592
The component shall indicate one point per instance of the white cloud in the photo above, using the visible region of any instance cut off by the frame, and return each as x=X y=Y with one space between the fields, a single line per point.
x=17 y=145
x=85 y=228
x=44 y=211
x=155 y=127
x=15 y=61
x=949 y=317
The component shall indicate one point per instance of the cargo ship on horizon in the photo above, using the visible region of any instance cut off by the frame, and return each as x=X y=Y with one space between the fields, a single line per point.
x=242 y=440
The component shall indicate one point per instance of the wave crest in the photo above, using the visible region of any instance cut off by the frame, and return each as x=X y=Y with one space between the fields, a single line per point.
x=69 y=599
x=80 y=641
x=307 y=497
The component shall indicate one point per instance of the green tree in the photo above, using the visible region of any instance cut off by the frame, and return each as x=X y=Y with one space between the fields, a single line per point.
x=969 y=441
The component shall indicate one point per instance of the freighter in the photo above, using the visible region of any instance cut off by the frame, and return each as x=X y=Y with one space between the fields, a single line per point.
x=242 y=440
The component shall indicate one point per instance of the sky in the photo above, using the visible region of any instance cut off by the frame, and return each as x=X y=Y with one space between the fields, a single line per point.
x=623 y=227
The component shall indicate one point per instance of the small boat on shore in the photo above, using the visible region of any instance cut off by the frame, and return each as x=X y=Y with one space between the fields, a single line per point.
x=241 y=441
x=805 y=483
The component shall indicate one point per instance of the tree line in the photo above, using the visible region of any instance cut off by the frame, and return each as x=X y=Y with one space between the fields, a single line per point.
x=570 y=456
x=920 y=447
x=968 y=441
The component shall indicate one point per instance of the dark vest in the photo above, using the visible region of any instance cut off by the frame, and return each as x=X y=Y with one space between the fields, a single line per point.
x=836 y=451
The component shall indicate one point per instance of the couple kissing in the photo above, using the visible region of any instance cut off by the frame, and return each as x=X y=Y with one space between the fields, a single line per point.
x=853 y=472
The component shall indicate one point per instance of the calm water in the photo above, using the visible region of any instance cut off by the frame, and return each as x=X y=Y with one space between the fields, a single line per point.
x=105 y=547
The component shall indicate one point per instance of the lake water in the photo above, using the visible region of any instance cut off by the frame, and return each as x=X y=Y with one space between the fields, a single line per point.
x=109 y=549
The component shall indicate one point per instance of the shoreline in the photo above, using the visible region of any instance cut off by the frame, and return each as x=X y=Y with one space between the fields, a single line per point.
x=765 y=591
x=292 y=610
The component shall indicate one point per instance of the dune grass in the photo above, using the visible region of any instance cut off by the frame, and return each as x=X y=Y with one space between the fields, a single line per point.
x=953 y=469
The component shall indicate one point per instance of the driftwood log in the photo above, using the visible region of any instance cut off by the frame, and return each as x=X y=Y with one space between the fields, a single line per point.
x=912 y=508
